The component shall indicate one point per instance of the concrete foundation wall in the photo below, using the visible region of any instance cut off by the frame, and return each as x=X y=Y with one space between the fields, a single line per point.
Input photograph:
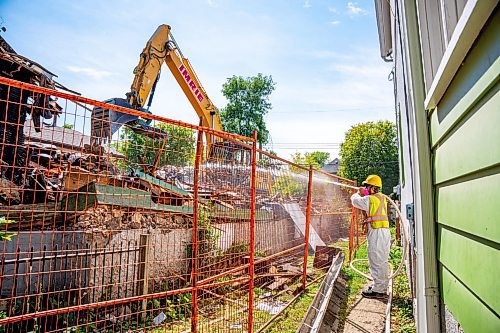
x=104 y=264
x=270 y=236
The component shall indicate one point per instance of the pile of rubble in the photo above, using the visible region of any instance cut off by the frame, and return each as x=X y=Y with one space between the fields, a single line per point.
x=109 y=219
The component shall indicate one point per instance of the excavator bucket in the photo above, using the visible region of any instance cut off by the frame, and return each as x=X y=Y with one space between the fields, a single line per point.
x=106 y=122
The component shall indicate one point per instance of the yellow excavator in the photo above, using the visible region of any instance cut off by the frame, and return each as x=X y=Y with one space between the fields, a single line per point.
x=160 y=48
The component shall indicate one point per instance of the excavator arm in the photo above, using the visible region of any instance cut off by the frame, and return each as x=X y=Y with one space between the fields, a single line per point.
x=160 y=48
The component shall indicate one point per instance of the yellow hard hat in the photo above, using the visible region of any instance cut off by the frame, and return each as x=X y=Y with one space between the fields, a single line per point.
x=373 y=180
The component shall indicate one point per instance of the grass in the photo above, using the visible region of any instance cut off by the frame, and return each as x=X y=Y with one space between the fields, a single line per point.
x=402 y=306
x=291 y=318
x=288 y=321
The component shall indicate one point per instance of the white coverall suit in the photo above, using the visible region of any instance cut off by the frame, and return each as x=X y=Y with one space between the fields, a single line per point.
x=379 y=245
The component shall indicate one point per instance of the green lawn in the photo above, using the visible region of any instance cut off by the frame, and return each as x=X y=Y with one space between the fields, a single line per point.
x=402 y=306
x=291 y=318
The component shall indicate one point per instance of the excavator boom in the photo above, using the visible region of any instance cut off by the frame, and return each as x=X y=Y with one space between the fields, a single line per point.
x=160 y=48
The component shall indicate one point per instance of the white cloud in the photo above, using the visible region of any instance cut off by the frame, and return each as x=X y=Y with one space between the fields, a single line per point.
x=92 y=72
x=333 y=10
x=354 y=10
x=335 y=22
x=212 y=3
x=307 y=4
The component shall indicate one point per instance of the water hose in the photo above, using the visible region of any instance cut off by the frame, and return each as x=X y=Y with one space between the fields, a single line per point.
x=405 y=235
x=405 y=247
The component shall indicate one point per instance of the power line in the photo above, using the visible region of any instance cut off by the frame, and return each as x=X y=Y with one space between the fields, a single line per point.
x=335 y=110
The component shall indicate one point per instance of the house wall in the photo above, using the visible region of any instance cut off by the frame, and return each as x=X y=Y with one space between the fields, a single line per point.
x=463 y=137
x=403 y=108
x=465 y=140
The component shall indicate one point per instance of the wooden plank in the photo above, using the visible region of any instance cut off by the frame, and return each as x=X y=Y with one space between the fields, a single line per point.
x=471 y=313
x=471 y=206
x=78 y=177
x=476 y=264
x=473 y=146
x=278 y=283
x=31 y=216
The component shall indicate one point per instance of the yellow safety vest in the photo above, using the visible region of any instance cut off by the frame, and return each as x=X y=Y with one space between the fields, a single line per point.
x=377 y=215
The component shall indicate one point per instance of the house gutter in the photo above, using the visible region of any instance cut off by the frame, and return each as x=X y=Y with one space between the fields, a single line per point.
x=428 y=312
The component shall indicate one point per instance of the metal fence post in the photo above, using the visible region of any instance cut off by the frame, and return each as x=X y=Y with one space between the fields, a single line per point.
x=251 y=268
x=352 y=228
x=308 y=225
x=194 y=237
x=143 y=272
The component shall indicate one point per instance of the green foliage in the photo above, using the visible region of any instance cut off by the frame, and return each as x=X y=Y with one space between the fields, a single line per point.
x=5 y=235
x=237 y=248
x=175 y=307
x=248 y=103
x=288 y=187
x=179 y=149
x=208 y=237
x=68 y=126
x=3 y=315
x=371 y=148
x=316 y=159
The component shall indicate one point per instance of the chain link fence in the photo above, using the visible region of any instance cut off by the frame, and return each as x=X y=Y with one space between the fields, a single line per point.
x=140 y=226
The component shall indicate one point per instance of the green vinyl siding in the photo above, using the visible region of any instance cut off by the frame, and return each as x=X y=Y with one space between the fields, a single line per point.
x=472 y=314
x=476 y=264
x=472 y=146
x=465 y=139
x=440 y=125
x=478 y=197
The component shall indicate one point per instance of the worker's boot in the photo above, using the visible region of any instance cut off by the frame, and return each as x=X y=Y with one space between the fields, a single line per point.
x=373 y=294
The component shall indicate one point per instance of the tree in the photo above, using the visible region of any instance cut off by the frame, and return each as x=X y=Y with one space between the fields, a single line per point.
x=371 y=148
x=316 y=159
x=68 y=126
x=248 y=103
x=179 y=149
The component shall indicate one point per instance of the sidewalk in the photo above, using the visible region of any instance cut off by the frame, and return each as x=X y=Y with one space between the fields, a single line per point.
x=367 y=316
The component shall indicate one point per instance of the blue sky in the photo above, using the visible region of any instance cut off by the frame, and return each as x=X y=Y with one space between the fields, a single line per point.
x=322 y=54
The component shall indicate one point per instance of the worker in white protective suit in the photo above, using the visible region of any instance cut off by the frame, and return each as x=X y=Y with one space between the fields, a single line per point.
x=369 y=199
